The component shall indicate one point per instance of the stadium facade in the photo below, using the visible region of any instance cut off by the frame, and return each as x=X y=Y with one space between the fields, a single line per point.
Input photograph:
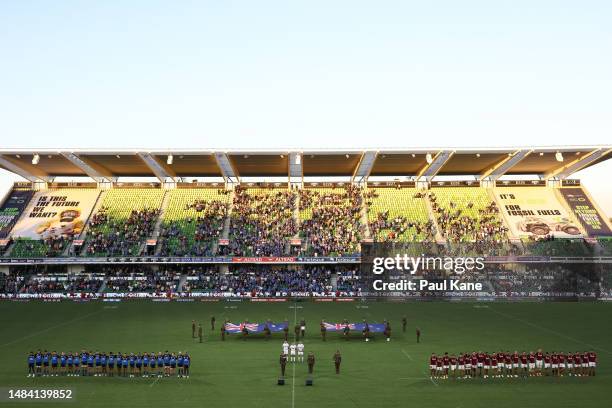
x=235 y=216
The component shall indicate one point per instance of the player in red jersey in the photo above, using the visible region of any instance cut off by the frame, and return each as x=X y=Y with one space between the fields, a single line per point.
x=554 y=364
x=468 y=365
x=487 y=366
x=453 y=366
x=494 y=368
x=439 y=367
x=577 y=364
x=539 y=362
x=547 y=364
x=532 y=364
x=474 y=364
x=524 y=365
x=433 y=360
x=570 y=364
x=585 y=363
x=515 y=364
x=461 y=366
x=561 y=364
x=500 y=363
x=508 y=358
x=480 y=359
x=446 y=362
x=592 y=363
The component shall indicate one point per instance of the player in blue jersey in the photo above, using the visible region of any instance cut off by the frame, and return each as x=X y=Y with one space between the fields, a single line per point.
x=186 y=365
x=179 y=364
x=77 y=364
x=38 y=360
x=138 y=365
x=31 y=361
x=111 y=364
x=46 y=358
x=97 y=364
x=84 y=358
x=145 y=365
x=104 y=363
x=69 y=364
x=118 y=362
x=172 y=365
x=90 y=364
x=124 y=365
x=152 y=364
x=132 y=361
x=62 y=359
x=54 y=363
x=167 y=364
x=160 y=364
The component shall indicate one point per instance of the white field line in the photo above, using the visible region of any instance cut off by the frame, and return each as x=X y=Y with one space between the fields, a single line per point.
x=76 y=319
x=528 y=323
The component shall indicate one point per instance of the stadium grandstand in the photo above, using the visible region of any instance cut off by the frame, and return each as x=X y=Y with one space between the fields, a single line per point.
x=192 y=221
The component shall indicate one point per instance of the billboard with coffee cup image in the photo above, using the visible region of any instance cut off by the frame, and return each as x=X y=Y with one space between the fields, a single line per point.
x=53 y=214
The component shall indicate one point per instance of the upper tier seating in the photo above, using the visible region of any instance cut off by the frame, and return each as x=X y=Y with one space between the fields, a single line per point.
x=261 y=222
x=331 y=220
x=467 y=214
x=398 y=214
x=125 y=220
x=193 y=221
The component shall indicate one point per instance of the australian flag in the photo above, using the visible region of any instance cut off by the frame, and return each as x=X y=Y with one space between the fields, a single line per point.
x=255 y=327
x=374 y=327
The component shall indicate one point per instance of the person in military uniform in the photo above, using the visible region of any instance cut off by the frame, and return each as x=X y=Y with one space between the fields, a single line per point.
x=283 y=363
x=286 y=331
x=193 y=329
x=267 y=332
x=366 y=331
x=223 y=332
x=200 y=332
x=212 y=323
x=296 y=329
x=387 y=331
x=311 y=362
x=346 y=331
x=418 y=335
x=323 y=331
x=245 y=332
x=337 y=360
x=404 y=323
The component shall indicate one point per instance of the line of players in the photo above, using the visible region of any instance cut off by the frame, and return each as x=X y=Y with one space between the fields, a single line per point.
x=294 y=351
x=96 y=364
x=512 y=365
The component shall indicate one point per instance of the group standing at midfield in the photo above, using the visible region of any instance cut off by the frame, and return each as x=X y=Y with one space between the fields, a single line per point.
x=504 y=364
x=100 y=364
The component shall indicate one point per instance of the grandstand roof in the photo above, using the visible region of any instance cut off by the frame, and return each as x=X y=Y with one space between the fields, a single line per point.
x=358 y=163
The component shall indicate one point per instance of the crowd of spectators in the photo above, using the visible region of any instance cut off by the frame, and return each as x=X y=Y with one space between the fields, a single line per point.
x=262 y=222
x=62 y=283
x=334 y=225
x=195 y=236
x=114 y=237
x=460 y=227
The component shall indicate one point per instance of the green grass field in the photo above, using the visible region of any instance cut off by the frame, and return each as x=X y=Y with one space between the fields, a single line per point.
x=374 y=374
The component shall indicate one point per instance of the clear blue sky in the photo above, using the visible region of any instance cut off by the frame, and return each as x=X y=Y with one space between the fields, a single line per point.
x=309 y=73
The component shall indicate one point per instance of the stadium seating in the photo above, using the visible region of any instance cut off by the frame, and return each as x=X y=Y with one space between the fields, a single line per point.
x=127 y=217
x=398 y=215
x=467 y=214
x=331 y=220
x=262 y=220
x=193 y=221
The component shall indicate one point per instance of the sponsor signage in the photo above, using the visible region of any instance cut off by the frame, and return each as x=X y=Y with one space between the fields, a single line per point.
x=56 y=213
x=585 y=211
x=11 y=210
x=535 y=212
